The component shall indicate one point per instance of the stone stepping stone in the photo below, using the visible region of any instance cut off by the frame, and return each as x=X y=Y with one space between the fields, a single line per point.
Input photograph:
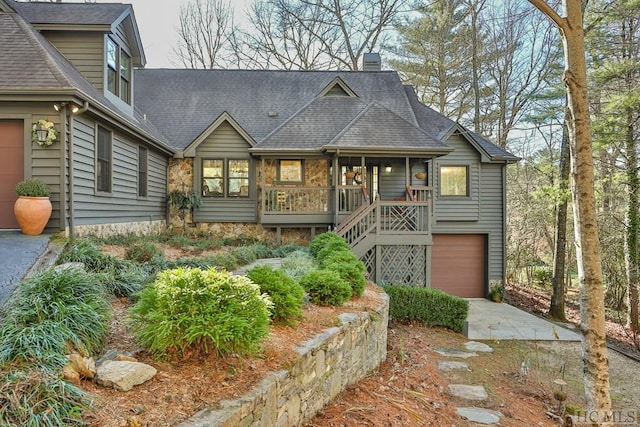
x=452 y=352
x=479 y=415
x=450 y=366
x=468 y=392
x=478 y=346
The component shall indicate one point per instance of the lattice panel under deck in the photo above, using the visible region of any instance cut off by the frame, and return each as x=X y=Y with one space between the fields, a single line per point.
x=403 y=265
x=369 y=260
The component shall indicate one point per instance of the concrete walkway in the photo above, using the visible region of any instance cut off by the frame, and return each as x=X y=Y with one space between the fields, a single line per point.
x=499 y=321
x=18 y=253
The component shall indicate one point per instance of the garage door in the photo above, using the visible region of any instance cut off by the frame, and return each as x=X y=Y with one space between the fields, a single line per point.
x=458 y=264
x=11 y=168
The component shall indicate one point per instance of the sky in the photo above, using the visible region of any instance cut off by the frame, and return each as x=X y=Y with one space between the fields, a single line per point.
x=158 y=22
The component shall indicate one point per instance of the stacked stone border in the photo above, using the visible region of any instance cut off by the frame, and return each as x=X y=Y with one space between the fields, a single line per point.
x=328 y=364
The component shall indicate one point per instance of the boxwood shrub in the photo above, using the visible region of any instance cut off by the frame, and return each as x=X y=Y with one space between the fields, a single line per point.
x=429 y=306
x=326 y=287
x=287 y=295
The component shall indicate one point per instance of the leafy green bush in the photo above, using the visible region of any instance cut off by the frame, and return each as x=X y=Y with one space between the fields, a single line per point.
x=323 y=240
x=35 y=398
x=49 y=312
x=542 y=275
x=142 y=252
x=326 y=287
x=298 y=263
x=287 y=295
x=191 y=311
x=351 y=273
x=429 y=306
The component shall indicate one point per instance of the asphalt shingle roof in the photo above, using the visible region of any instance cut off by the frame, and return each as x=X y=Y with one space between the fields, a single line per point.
x=183 y=103
x=70 y=13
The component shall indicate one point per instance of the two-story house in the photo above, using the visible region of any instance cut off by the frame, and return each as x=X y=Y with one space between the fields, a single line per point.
x=279 y=155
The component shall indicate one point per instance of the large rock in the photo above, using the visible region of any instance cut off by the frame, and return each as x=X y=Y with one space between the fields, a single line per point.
x=452 y=352
x=468 y=392
x=478 y=346
x=450 y=366
x=479 y=415
x=124 y=375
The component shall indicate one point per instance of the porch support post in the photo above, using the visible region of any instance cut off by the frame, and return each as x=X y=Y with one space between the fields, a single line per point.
x=379 y=279
x=336 y=201
x=427 y=272
x=407 y=172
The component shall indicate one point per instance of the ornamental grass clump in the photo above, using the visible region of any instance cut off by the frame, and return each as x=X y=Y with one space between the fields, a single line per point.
x=287 y=295
x=52 y=312
x=192 y=312
x=298 y=263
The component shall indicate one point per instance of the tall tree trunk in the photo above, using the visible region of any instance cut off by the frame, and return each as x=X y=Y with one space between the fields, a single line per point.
x=592 y=320
x=633 y=226
x=559 y=256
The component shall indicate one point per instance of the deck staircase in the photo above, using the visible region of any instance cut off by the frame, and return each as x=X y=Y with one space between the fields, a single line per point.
x=392 y=238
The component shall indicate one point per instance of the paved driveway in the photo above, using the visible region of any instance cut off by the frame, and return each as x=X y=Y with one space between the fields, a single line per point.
x=500 y=321
x=18 y=253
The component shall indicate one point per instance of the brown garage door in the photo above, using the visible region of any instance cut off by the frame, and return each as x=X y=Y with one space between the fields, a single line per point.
x=11 y=168
x=458 y=264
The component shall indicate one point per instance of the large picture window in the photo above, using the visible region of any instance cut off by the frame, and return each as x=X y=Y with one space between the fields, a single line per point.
x=103 y=160
x=225 y=178
x=454 y=180
x=118 y=71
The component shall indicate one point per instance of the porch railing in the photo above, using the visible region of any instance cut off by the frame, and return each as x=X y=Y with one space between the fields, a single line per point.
x=351 y=197
x=297 y=200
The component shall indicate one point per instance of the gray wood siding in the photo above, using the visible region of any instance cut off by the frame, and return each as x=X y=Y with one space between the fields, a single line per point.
x=459 y=208
x=393 y=185
x=490 y=222
x=84 y=50
x=226 y=143
x=123 y=204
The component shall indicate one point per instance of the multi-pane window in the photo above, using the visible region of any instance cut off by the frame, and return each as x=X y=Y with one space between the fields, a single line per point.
x=142 y=171
x=103 y=160
x=222 y=178
x=454 y=180
x=118 y=71
x=290 y=171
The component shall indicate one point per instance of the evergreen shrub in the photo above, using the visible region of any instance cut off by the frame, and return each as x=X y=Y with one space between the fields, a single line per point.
x=429 y=306
x=285 y=293
x=188 y=311
x=326 y=287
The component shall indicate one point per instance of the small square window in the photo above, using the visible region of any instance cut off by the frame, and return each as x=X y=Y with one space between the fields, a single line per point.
x=290 y=171
x=454 y=181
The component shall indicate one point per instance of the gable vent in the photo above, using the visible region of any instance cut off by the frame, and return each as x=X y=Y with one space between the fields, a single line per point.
x=371 y=62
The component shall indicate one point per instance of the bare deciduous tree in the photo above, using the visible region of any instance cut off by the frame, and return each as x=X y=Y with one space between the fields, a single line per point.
x=205 y=32
x=592 y=323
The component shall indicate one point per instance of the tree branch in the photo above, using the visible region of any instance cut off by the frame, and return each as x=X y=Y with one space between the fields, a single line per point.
x=543 y=7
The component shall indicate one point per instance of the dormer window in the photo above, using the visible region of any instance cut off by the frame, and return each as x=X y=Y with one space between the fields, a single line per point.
x=118 y=71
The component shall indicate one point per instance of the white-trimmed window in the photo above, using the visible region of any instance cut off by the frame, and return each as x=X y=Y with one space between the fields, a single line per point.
x=118 y=71
x=454 y=180
x=103 y=160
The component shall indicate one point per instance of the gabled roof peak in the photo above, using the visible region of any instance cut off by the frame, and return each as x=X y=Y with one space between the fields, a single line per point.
x=337 y=87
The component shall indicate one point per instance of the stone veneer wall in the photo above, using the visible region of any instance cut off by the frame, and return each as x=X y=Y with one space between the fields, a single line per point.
x=121 y=228
x=330 y=362
x=181 y=178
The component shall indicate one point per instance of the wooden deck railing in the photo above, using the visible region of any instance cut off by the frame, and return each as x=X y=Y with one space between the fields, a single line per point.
x=297 y=200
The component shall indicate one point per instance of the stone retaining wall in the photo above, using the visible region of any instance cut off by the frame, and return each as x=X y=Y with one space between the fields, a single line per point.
x=333 y=360
x=121 y=228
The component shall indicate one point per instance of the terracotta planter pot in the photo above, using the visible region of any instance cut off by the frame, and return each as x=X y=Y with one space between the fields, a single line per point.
x=421 y=175
x=350 y=175
x=32 y=214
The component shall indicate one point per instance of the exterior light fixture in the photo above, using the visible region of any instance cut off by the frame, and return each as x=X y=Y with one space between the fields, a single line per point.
x=387 y=168
x=42 y=133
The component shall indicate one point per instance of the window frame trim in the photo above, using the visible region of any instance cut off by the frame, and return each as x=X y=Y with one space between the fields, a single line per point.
x=467 y=184
x=225 y=178
x=118 y=75
x=279 y=179
x=99 y=192
x=146 y=172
